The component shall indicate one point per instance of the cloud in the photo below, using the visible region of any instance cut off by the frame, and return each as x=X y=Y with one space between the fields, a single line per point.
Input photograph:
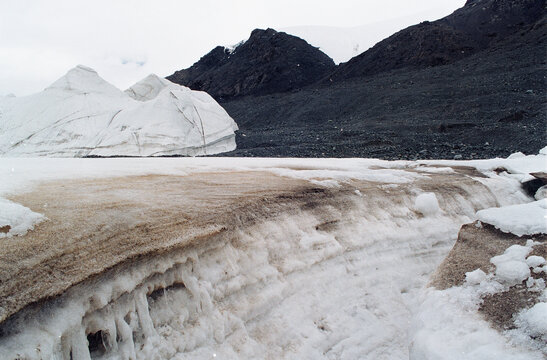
x=124 y=40
x=139 y=63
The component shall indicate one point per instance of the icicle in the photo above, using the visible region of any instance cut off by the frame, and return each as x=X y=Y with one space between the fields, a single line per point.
x=65 y=346
x=79 y=345
x=145 y=320
x=205 y=301
x=111 y=334
x=192 y=285
x=126 y=345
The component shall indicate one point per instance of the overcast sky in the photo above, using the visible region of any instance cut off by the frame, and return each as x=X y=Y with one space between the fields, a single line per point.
x=125 y=40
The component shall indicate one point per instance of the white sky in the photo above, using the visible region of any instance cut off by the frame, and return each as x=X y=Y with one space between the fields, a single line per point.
x=125 y=40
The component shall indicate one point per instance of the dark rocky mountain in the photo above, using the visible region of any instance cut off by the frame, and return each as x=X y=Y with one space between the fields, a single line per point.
x=471 y=85
x=477 y=26
x=268 y=62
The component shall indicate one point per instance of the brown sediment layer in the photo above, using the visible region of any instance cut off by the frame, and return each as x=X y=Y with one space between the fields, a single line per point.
x=475 y=246
x=101 y=224
x=95 y=224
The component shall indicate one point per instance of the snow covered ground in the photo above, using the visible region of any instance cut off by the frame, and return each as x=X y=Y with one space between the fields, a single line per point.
x=254 y=258
x=83 y=115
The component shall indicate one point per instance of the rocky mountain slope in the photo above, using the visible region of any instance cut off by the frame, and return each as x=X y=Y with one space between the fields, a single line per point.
x=479 y=25
x=451 y=88
x=489 y=104
x=268 y=62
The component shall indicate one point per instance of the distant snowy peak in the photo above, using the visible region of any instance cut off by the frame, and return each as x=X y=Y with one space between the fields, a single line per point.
x=341 y=44
x=83 y=115
x=344 y=43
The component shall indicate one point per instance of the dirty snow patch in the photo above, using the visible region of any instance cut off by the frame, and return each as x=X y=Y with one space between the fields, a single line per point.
x=448 y=325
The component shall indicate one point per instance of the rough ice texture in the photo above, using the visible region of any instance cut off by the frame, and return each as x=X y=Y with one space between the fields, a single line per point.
x=448 y=327
x=253 y=294
x=83 y=115
x=448 y=324
x=521 y=219
x=318 y=277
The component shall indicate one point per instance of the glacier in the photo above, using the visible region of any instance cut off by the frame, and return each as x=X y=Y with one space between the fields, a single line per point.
x=82 y=115
x=202 y=258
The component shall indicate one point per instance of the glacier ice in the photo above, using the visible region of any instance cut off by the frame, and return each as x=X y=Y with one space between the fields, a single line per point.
x=83 y=115
x=340 y=279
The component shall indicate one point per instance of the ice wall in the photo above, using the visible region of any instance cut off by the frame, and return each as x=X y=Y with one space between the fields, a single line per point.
x=334 y=279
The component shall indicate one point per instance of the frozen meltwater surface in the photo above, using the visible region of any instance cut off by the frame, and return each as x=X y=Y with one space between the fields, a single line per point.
x=237 y=258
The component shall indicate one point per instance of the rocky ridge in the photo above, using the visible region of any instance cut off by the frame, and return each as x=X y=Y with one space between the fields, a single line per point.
x=268 y=62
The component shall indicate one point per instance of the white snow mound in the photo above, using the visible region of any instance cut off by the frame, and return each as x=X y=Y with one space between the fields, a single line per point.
x=16 y=219
x=81 y=115
x=534 y=320
x=523 y=219
x=427 y=204
x=511 y=266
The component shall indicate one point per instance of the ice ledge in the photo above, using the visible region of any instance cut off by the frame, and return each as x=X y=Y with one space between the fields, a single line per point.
x=522 y=219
